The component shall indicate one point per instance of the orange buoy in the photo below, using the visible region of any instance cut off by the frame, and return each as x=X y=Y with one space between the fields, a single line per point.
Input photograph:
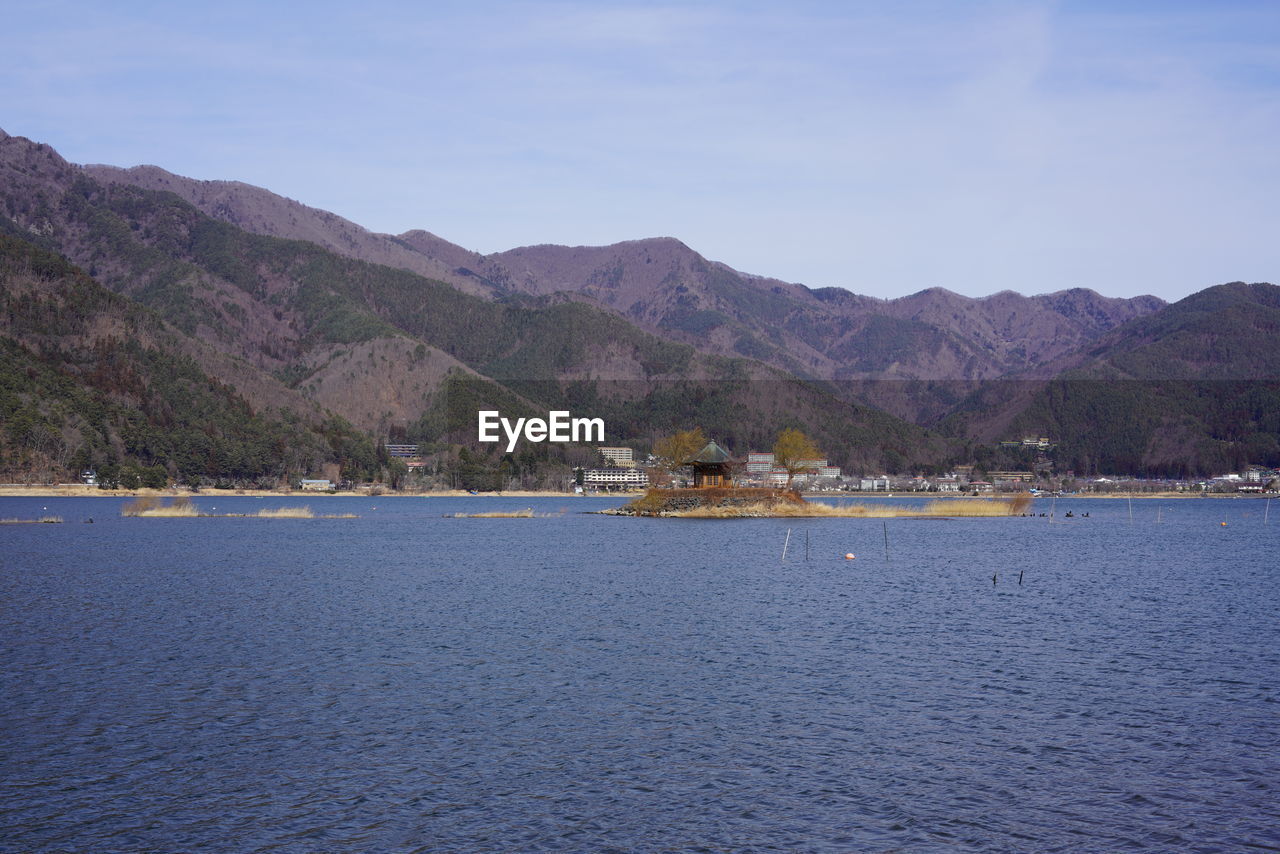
x=849 y=556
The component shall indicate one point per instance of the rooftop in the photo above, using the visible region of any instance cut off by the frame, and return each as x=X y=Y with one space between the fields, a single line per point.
x=712 y=453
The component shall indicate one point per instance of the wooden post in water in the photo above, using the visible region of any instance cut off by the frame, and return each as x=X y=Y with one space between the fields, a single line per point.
x=786 y=543
x=1130 y=509
x=1020 y=576
x=886 y=541
x=806 y=545
x=1266 y=514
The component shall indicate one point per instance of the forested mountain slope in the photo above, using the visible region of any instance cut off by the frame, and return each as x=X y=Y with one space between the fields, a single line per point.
x=1192 y=390
x=897 y=354
x=394 y=351
x=91 y=380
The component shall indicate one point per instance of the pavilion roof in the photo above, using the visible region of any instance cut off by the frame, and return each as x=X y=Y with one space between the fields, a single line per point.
x=712 y=453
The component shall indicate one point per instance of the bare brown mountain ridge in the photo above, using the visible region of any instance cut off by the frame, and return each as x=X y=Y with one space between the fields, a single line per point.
x=282 y=297
x=397 y=353
x=871 y=346
x=240 y=336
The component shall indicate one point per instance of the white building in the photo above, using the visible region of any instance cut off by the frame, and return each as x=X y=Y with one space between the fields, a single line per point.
x=618 y=457
x=615 y=478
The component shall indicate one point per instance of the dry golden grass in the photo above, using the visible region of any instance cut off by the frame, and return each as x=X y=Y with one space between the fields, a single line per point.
x=152 y=507
x=813 y=509
x=654 y=501
x=971 y=507
x=527 y=513
x=284 y=513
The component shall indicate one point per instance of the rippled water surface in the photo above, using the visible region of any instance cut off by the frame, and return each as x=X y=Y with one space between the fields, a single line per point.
x=407 y=682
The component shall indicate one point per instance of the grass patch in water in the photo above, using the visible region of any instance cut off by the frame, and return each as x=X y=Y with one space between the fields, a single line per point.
x=941 y=509
x=153 y=508
x=284 y=513
x=527 y=513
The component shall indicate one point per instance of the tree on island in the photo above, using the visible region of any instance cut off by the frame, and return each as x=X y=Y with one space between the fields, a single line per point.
x=674 y=451
x=795 y=452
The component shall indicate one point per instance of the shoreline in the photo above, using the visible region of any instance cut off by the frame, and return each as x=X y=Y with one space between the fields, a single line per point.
x=75 y=490
x=82 y=491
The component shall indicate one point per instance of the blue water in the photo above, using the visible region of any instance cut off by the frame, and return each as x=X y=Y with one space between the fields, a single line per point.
x=407 y=682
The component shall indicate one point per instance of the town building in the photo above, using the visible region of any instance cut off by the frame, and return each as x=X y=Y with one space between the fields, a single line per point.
x=615 y=477
x=618 y=457
x=1011 y=476
x=762 y=467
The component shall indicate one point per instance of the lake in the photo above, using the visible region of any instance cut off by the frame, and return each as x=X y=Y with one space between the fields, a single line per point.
x=407 y=682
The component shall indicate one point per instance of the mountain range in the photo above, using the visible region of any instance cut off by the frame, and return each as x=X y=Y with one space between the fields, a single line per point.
x=667 y=289
x=346 y=333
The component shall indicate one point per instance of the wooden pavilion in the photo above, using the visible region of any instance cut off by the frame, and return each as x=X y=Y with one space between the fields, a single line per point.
x=711 y=467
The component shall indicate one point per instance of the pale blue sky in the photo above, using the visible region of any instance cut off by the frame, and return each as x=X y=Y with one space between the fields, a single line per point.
x=881 y=147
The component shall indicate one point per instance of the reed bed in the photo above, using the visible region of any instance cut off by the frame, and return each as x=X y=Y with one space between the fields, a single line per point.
x=527 y=513
x=941 y=509
x=297 y=513
x=151 y=507
x=43 y=520
x=284 y=513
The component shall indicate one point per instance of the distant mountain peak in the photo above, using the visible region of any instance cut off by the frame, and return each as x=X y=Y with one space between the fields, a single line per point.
x=670 y=289
x=261 y=211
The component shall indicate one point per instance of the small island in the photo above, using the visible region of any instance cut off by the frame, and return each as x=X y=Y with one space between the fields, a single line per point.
x=714 y=495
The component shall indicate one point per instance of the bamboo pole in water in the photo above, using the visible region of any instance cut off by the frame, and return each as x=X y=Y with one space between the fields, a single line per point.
x=886 y=541
x=786 y=543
